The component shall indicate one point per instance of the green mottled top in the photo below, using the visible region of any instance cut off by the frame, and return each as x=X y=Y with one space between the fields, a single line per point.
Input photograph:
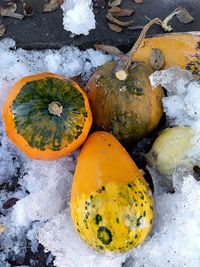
x=37 y=125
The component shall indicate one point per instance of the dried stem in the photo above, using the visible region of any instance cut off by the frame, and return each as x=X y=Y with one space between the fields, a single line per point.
x=122 y=72
x=139 y=40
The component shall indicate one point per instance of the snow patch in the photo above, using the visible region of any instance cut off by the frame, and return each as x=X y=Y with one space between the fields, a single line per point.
x=78 y=17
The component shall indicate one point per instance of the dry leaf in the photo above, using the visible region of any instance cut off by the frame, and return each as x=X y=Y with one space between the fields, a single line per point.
x=28 y=10
x=109 y=49
x=2 y=30
x=52 y=5
x=10 y=203
x=114 y=3
x=138 y=27
x=123 y=12
x=112 y=19
x=139 y=1
x=8 y=10
x=184 y=16
x=114 y=9
x=115 y=27
x=157 y=59
x=196 y=170
x=16 y=16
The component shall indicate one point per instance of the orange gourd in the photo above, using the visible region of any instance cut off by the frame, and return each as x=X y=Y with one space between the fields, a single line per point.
x=179 y=49
x=47 y=116
x=111 y=203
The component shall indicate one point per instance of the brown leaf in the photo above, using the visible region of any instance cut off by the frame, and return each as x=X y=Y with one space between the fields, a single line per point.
x=196 y=170
x=109 y=49
x=112 y=19
x=16 y=16
x=139 y=1
x=28 y=10
x=8 y=9
x=184 y=16
x=2 y=30
x=10 y=203
x=114 y=9
x=123 y=12
x=114 y=3
x=137 y=27
x=115 y=27
x=52 y=5
x=157 y=59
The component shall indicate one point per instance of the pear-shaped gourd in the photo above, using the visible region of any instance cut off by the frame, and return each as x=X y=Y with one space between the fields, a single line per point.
x=111 y=203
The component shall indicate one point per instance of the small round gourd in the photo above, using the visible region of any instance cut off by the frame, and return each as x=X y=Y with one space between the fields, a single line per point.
x=47 y=116
x=111 y=203
x=171 y=150
x=129 y=109
x=122 y=99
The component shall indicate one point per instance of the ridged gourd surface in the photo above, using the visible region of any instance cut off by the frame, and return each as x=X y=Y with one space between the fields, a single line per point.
x=40 y=128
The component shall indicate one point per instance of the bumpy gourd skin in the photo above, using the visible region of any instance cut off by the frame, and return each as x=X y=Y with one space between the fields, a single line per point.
x=111 y=203
x=128 y=109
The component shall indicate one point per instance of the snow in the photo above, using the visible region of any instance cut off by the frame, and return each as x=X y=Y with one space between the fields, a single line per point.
x=69 y=248
x=43 y=187
x=78 y=17
x=181 y=105
x=48 y=195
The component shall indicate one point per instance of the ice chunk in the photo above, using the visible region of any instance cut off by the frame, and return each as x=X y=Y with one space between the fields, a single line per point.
x=183 y=91
x=173 y=107
x=78 y=16
x=192 y=105
x=173 y=79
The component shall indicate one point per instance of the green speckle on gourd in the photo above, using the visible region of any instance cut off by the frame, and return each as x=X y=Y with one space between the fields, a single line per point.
x=98 y=218
x=104 y=235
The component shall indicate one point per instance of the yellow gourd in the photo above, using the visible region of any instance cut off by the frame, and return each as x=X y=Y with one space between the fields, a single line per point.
x=111 y=203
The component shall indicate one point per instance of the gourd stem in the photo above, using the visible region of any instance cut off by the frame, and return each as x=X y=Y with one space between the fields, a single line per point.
x=55 y=108
x=122 y=73
x=139 y=40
